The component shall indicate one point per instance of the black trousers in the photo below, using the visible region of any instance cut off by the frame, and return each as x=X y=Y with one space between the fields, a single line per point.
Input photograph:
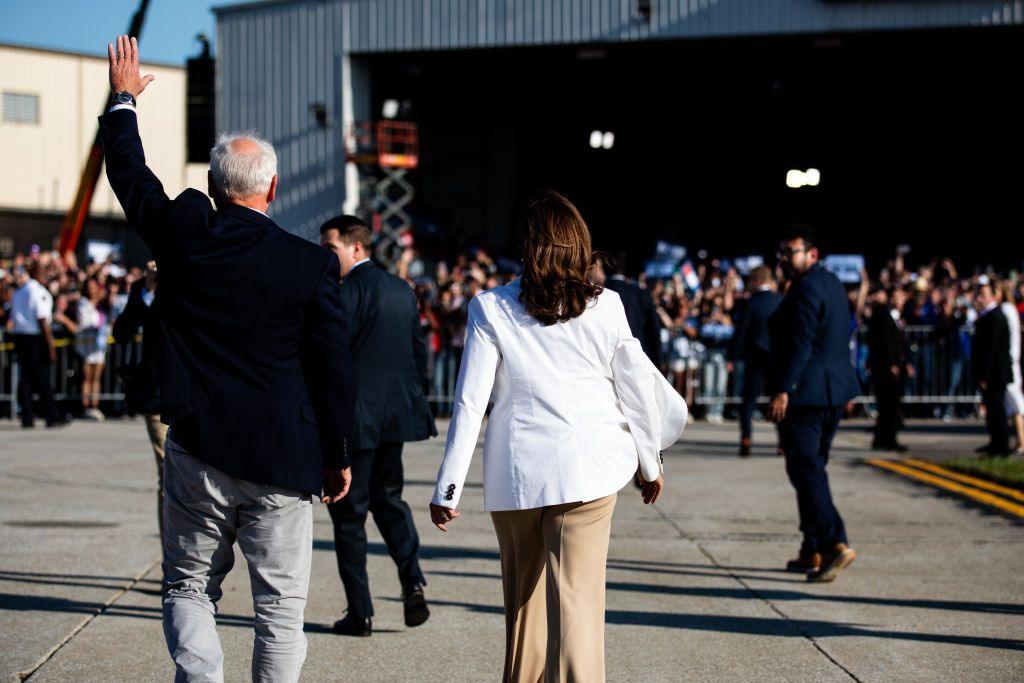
x=377 y=481
x=34 y=365
x=806 y=435
x=887 y=400
x=995 y=418
x=753 y=380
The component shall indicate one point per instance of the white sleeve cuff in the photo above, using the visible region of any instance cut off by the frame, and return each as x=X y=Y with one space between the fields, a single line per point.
x=118 y=107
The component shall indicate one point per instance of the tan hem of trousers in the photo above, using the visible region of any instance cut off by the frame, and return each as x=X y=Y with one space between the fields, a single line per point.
x=553 y=565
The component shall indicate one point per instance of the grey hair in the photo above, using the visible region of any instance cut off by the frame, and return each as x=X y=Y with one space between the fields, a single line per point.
x=242 y=174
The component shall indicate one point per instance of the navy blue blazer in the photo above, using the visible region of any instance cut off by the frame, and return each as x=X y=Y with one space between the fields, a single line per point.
x=810 y=342
x=257 y=376
x=390 y=355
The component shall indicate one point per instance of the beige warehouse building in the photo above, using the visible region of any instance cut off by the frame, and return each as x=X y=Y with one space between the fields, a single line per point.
x=49 y=102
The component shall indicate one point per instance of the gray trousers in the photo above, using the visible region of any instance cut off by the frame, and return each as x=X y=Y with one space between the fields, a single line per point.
x=205 y=512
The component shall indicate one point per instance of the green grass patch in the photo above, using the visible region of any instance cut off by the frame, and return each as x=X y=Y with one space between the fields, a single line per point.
x=1007 y=471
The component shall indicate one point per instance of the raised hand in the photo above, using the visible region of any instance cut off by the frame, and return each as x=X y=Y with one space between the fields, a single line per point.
x=124 y=67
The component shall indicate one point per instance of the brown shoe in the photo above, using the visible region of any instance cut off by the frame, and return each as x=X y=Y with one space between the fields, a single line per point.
x=833 y=563
x=805 y=562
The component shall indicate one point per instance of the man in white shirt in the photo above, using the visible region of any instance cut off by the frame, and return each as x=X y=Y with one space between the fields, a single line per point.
x=31 y=315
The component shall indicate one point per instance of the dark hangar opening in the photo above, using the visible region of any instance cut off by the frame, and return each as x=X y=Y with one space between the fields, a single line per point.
x=916 y=136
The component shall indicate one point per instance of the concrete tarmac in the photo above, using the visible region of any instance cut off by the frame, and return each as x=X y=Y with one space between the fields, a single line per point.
x=695 y=591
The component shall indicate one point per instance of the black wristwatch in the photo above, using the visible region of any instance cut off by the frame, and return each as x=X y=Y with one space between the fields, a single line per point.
x=122 y=97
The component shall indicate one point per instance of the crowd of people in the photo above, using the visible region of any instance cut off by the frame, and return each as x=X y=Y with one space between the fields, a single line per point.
x=698 y=318
x=78 y=305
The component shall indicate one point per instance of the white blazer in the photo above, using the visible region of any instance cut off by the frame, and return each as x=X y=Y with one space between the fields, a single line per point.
x=576 y=406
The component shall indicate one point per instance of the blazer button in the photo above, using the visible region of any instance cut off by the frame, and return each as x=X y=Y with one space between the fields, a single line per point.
x=451 y=487
x=448 y=496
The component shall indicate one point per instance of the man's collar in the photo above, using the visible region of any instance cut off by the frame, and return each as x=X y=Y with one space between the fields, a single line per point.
x=992 y=306
x=245 y=213
x=617 y=276
x=354 y=267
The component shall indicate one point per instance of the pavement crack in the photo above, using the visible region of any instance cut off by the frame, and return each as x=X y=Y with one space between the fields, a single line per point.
x=753 y=591
x=31 y=671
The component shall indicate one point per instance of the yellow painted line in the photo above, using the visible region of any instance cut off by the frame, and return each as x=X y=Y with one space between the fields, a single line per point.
x=966 y=479
x=939 y=482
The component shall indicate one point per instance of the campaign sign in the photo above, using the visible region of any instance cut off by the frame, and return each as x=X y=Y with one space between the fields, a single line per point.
x=846 y=267
x=746 y=264
x=666 y=260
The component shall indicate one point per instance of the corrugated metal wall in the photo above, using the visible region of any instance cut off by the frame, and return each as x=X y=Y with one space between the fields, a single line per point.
x=387 y=25
x=392 y=25
x=277 y=58
x=272 y=66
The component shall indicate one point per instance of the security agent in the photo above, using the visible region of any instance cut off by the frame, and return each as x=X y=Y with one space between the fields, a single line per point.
x=812 y=380
x=389 y=355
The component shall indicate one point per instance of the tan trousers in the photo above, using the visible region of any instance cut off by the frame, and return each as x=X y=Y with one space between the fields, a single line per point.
x=157 y=431
x=553 y=562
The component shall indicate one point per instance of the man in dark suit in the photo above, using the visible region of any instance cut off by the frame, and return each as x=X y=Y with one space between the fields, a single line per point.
x=142 y=381
x=256 y=386
x=640 y=313
x=812 y=380
x=991 y=367
x=389 y=353
x=750 y=346
x=888 y=360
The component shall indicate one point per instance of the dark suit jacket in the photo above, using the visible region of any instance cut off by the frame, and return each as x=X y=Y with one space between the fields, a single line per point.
x=142 y=382
x=810 y=342
x=257 y=377
x=886 y=345
x=641 y=316
x=990 y=350
x=389 y=353
x=751 y=341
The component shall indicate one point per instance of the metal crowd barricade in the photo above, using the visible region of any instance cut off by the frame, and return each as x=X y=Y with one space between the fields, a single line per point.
x=942 y=377
x=66 y=372
x=941 y=370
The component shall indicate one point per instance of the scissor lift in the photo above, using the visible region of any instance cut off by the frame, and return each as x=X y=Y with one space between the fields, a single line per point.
x=384 y=152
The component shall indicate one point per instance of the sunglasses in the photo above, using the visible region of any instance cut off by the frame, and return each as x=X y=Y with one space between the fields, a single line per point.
x=789 y=251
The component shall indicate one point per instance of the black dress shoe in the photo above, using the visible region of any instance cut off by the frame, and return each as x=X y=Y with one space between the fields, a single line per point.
x=416 y=611
x=360 y=627
x=984 y=449
x=744 y=450
x=62 y=421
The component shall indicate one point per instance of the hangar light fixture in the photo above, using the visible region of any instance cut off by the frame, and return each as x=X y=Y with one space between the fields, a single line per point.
x=390 y=109
x=796 y=179
x=602 y=139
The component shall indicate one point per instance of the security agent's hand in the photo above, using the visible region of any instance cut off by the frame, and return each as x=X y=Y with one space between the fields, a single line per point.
x=336 y=483
x=777 y=408
x=441 y=516
x=651 y=490
x=151 y=276
x=124 y=67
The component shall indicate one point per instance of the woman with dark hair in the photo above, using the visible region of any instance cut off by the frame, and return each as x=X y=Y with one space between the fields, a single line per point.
x=578 y=408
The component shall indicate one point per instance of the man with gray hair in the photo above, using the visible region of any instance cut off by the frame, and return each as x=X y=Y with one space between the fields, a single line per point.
x=256 y=387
